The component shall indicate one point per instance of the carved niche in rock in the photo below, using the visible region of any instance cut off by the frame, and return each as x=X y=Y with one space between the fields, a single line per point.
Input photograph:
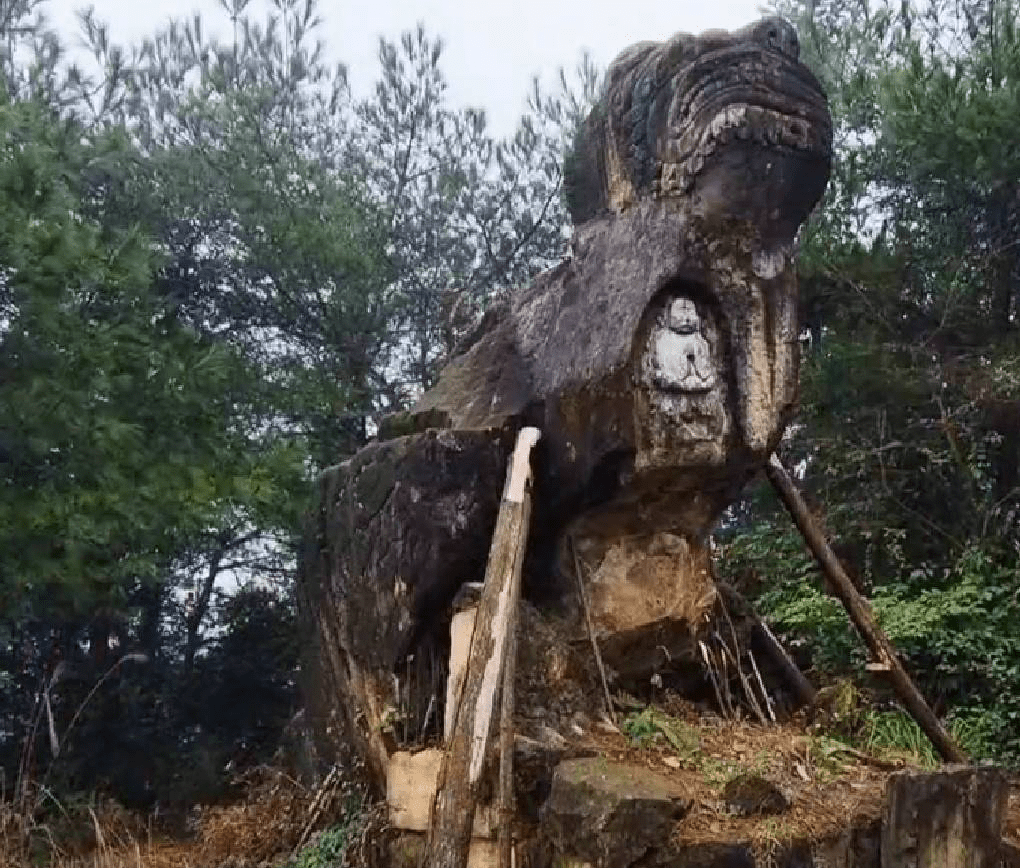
x=659 y=360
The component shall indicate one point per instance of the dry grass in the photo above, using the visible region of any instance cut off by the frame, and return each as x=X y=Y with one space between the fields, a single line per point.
x=277 y=816
x=829 y=789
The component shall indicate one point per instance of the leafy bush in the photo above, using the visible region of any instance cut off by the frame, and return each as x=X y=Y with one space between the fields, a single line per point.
x=955 y=628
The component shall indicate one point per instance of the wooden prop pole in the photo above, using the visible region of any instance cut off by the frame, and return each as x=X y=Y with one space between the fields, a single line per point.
x=449 y=837
x=860 y=613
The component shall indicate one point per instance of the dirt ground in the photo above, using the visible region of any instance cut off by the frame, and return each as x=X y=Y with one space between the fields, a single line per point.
x=830 y=788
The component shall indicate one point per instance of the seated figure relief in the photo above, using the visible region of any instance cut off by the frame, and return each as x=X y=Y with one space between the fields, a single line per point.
x=679 y=356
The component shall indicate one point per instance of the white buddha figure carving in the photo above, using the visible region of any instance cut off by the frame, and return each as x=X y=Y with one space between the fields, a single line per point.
x=681 y=356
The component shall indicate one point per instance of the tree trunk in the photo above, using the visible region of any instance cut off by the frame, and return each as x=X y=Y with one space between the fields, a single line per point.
x=460 y=777
x=199 y=607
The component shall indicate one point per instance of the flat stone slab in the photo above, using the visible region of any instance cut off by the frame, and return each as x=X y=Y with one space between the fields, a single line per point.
x=411 y=788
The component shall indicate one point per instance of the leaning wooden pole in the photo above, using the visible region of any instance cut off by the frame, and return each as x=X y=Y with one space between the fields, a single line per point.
x=860 y=613
x=460 y=777
x=507 y=807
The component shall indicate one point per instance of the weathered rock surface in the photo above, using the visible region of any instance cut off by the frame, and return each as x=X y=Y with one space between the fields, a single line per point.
x=952 y=818
x=609 y=814
x=399 y=527
x=411 y=789
x=749 y=794
x=649 y=597
x=667 y=341
x=659 y=361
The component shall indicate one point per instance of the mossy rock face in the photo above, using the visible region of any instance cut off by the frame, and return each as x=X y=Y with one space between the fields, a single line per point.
x=398 y=528
x=672 y=111
x=659 y=361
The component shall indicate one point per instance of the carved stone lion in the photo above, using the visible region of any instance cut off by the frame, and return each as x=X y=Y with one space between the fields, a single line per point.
x=659 y=360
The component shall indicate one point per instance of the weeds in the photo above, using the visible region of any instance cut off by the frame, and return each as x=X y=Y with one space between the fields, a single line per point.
x=648 y=727
x=332 y=846
x=771 y=837
x=268 y=827
x=651 y=727
x=896 y=734
x=719 y=772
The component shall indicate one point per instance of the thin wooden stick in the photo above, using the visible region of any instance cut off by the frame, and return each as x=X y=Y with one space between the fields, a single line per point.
x=711 y=675
x=591 y=633
x=745 y=683
x=860 y=614
x=507 y=807
x=761 y=684
x=719 y=651
x=805 y=691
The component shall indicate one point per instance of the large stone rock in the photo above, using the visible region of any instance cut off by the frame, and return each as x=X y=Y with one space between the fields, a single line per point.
x=951 y=818
x=659 y=361
x=411 y=789
x=649 y=597
x=609 y=814
x=398 y=528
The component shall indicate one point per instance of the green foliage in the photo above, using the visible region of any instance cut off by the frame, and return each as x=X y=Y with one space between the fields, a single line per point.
x=651 y=726
x=909 y=434
x=896 y=733
x=96 y=390
x=330 y=848
x=216 y=275
x=468 y=218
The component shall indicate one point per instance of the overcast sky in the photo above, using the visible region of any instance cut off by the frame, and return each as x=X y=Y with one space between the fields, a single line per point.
x=492 y=49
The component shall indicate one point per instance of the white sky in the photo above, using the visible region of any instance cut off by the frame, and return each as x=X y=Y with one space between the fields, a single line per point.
x=492 y=49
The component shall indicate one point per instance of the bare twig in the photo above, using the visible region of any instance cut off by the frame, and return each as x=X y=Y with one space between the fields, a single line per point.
x=744 y=682
x=724 y=674
x=712 y=675
x=591 y=632
x=322 y=799
x=761 y=684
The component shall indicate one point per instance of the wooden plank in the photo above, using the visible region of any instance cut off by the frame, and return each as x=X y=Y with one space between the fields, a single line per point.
x=460 y=777
x=861 y=615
